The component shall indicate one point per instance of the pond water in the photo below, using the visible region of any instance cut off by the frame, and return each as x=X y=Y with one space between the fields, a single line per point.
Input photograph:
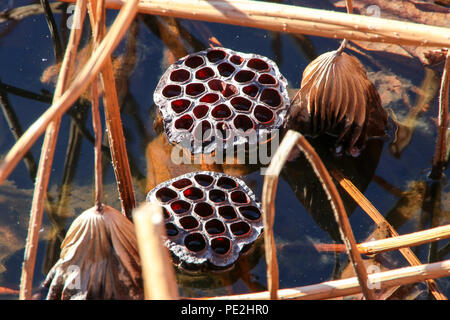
x=395 y=182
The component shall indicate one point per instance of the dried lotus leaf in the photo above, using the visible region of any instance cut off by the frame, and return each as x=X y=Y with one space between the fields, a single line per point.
x=98 y=260
x=336 y=97
x=326 y=96
x=320 y=93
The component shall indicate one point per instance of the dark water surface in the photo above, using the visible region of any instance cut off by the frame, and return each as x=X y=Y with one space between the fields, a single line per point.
x=395 y=184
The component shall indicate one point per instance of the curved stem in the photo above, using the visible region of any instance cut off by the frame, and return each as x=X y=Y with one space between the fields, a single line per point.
x=291 y=139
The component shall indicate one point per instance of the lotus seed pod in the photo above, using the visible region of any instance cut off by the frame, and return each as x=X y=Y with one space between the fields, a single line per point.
x=210 y=218
x=219 y=98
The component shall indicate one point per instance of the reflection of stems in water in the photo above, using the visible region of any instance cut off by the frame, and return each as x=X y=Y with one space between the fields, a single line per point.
x=48 y=99
x=19 y=13
x=25 y=93
x=74 y=91
x=433 y=208
x=133 y=110
x=201 y=29
x=57 y=45
x=386 y=185
x=405 y=127
x=16 y=130
x=304 y=45
x=15 y=15
x=436 y=191
x=443 y=252
x=58 y=218
x=276 y=47
x=408 y=205
x=170 y=36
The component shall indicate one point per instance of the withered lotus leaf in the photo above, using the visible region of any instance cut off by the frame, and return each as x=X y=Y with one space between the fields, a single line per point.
x=336 y=97
x=99 y=259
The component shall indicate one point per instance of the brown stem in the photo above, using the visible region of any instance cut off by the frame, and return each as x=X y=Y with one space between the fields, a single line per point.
x=296 y=19
x=439 y=159
x=45 y=164
x=97 y=126
x=291 y=139
x=393 y=243
x=116 y=137
x=350 y=286
x=96 y=15
x=349 y=5
x=378 y=218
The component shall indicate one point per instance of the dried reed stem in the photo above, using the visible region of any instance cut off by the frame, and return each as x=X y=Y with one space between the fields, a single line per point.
x=440 y=155
x=97 y=19
x=45 y=162
x=97 y=128
x=350 y=286
x=407 y=240
x=157 y=268
x=268 y=207
x=113 y=119
x=291 y=139
x=296 y=19
x=378 y=218
x=77 y=87
x=116 y=137
x=349 y=6
x=393 y=243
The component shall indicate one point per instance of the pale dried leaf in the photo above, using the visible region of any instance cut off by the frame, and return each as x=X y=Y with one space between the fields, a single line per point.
x=99 y=259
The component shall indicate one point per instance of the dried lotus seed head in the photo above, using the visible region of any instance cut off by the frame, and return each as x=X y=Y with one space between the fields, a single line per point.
x=336 y=97
x=219 y=98
x=210 y=219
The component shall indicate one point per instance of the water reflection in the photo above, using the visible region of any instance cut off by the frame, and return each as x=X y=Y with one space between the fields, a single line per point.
x=152 y=44
x=309 y=191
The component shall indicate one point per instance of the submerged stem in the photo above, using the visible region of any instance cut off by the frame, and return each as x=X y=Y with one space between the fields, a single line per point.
x=439 y=159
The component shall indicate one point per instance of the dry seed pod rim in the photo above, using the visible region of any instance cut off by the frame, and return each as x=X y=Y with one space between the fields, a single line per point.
x=192 y=262
x=262 y=130
x=335 y=91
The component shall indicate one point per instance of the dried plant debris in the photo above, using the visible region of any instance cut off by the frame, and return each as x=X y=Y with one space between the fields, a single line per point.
x=381 y=262
x=210 y=219
x=218 y=99
x=337 y=98
x=15 y=205
x=407 y=10
x=99 y=259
